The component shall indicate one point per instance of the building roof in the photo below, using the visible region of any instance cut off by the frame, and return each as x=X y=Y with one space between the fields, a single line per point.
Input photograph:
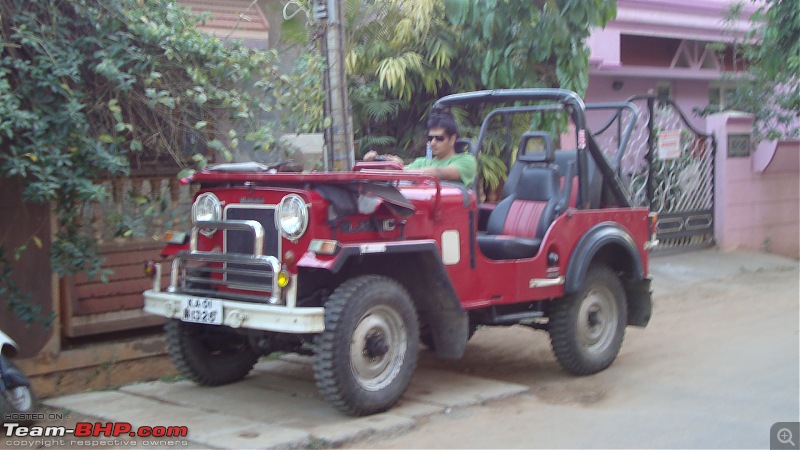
x=235 y=19
x=703 y=20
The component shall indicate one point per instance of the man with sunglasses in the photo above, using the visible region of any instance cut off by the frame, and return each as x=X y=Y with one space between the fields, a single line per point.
x=444 y=162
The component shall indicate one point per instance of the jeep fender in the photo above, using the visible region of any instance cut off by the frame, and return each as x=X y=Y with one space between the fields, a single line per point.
x=613 y=245
x=418 y=267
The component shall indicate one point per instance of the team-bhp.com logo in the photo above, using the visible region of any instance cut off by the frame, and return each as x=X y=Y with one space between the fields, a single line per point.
x=97 y=429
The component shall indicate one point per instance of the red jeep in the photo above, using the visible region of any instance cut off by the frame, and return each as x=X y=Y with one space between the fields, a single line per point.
x=357 y=267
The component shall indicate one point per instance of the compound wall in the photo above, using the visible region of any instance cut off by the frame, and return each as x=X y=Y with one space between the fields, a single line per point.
x=757 y=189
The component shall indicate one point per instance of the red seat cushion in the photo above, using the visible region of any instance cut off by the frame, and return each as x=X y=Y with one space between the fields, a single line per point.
x=523 y=218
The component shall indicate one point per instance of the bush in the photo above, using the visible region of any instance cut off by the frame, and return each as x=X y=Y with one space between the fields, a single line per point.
x=88 y=86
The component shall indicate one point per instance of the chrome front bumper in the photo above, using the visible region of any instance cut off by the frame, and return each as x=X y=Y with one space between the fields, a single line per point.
x=276 y=312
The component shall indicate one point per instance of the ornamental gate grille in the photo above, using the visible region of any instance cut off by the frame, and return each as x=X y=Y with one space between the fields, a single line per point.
x=669 y=167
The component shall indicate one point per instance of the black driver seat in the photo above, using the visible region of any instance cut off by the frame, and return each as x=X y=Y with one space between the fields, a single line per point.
x=519 y=222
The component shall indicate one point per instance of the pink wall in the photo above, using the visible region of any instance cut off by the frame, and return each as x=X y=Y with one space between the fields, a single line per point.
x=687 y=94
x=753 y=210
x=691 y=94
x=601 y=90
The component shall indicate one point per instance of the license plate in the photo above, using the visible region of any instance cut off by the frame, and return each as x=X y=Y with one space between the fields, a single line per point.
x=201 y=310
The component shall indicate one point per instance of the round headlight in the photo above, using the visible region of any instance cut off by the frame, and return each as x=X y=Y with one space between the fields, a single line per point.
x=291 y=217
x=206 y=207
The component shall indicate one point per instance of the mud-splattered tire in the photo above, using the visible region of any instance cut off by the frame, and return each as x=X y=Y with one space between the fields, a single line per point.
x=587 y=328
x=364 y=360
x=209 y=355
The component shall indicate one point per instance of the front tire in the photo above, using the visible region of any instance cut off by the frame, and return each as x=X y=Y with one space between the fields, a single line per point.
x=426 y=336
x=17 y=400
x=587 y=328
x=364 y=360
x=209 y=355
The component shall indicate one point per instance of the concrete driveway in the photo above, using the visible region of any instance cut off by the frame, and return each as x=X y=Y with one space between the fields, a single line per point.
x=277 y=405
x=717 y=366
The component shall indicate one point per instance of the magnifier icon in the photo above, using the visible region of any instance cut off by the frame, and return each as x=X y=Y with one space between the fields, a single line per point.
x=785 y=436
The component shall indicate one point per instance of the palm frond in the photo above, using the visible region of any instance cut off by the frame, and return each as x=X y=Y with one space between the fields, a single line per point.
x=383 y=110
x=368 y=142
x=492 y=170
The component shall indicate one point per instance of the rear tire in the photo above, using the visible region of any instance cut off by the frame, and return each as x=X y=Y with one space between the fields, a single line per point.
x=209 y=355
x=587 y=328
x=365 y=358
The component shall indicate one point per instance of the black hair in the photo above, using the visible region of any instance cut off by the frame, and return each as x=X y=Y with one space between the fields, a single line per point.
x=441 y=117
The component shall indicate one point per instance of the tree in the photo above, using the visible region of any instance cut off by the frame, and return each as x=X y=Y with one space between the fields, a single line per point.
x=406 y=55
x=87 y=85
x=770 y=56
x=402 y=56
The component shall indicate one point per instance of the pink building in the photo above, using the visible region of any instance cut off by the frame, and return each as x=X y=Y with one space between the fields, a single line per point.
x=662 y=47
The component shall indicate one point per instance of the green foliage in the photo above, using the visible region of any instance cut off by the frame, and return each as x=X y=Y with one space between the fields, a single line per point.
x=390 y=67
x=769 y=53
x=303 y=97
x=402 y=56
x=135 y=215
x=777 y=54
x=493 y=170
x=87 y=86
x=528 y=44
x=18 y=301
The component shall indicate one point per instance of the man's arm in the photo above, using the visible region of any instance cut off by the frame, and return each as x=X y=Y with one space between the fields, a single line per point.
x=461 y=168
x=466 y=167
x=447 y=173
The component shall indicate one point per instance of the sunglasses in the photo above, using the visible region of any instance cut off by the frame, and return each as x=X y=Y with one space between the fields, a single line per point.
x=438 y=138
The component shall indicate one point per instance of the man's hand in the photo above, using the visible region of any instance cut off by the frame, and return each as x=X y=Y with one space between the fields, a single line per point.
x=372 y=155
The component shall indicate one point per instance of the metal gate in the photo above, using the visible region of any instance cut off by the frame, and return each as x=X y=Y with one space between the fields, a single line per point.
x=669 y=167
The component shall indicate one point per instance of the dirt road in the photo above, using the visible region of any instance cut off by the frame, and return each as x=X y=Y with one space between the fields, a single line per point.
x=717 y=366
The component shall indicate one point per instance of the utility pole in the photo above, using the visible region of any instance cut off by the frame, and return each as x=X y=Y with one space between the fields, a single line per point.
x=339 y=152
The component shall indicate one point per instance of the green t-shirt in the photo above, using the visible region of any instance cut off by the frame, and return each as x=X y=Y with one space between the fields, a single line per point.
x=464 y=162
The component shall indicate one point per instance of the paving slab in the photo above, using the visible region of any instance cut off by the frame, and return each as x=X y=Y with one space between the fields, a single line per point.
x=348 y=430
x=278 y=406
x=205 y=428
x=676 y=270
x=453 y=390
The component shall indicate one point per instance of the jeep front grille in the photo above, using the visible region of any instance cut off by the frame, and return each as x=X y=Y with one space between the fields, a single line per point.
x=241 y=242
x=250 y=272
